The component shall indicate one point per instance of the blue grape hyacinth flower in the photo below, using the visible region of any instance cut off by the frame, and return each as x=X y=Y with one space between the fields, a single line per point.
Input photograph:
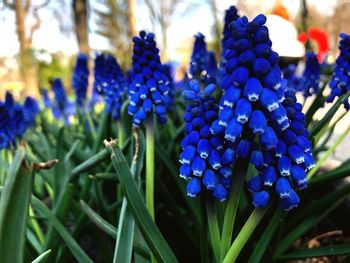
x=15 y=119
x=30 y=109
x=310 y=81
x=203 y=63
x=113 y=86
x=60 y=93
x=46 y=98
x=80 y=79
x=231 y=15
x=340 y=82
x=149 y=88
x=254 y=116
x=205 y=161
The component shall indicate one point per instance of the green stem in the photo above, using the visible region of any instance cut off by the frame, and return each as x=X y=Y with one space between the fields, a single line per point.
x=36 y=226
x=91 y=124
x=204 y=233
x=244 y=235
x=327 y=154
x=150 y=166
x=213 y=228
x=121 y=134
x=231 y=208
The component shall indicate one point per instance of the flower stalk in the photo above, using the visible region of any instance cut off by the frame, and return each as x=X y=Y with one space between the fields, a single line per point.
x=244 y=235
x=150 y=166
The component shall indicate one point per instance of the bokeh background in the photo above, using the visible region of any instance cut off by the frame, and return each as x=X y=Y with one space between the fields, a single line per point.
x=40 y=38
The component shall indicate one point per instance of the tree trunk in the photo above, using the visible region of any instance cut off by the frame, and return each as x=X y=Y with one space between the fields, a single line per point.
x=81 y=26
x=131 y=17
x=27 y=64
x=217 y=29
x=163 y=53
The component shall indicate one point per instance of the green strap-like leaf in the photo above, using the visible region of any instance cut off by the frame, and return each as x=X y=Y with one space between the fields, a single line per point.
x=14 y=204
x=148 y=228
x=265 y=238
x=73 y=246
x=317 y=252
x=126 y=225
x=304 y=226
x=42 y=257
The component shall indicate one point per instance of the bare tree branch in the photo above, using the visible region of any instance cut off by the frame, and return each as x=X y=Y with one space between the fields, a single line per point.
x=9 y=4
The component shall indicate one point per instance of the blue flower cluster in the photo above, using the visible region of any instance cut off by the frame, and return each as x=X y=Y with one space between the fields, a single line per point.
x=286 y=165
x=46 y=98
x=15 y=119
x=310 y=81
x=203 y=63
x=252 y=107
x=203 y=158
x=340 y=82
x=149 y=88
x=61 y=107
x=231 y=15
x=80 y=79
x=110 y=82
x=289 y=74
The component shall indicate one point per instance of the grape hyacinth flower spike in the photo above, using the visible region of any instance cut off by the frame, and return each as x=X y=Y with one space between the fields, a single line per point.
x=150 y=85
x=80 y=79
x=340 y=82
x=204 y=163
x=148 y=95
x=252 y=111
x=310 y=80
x=203 y=64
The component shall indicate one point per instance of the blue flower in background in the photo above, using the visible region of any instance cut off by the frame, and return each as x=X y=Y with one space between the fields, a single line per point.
x=290 y=75
x=46 y=98
x=9 y=100
x=254 y=115
x=310 y=80
x=5 y=126
x=110 y=82
x=15 y=119
x=31 y=109
x=149 y=89
x=169 y=69
x=60 y=93
x=203 y=63
x=231 y=15
x=113 y=86
x=340 y=83
x=80 y=79
x=205 y=162
x=99 y=73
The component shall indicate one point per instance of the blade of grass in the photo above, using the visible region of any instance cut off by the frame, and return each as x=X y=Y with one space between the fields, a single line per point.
x=14 y=205
x=304 y=226
x=42 y=257
x=266 y=237
x=150 y=231
x=73 y=246
x=335 y=250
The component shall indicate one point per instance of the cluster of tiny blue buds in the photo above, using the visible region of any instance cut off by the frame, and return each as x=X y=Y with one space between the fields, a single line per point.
x=113 y=86
x=15 y=119
x=80 y=79
x=149 y=89
x=203 y=64
x=340 y=82
x=310 y=81
x=205 y=162
x=253 y=117
x=285 y=167
x=231 y=15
